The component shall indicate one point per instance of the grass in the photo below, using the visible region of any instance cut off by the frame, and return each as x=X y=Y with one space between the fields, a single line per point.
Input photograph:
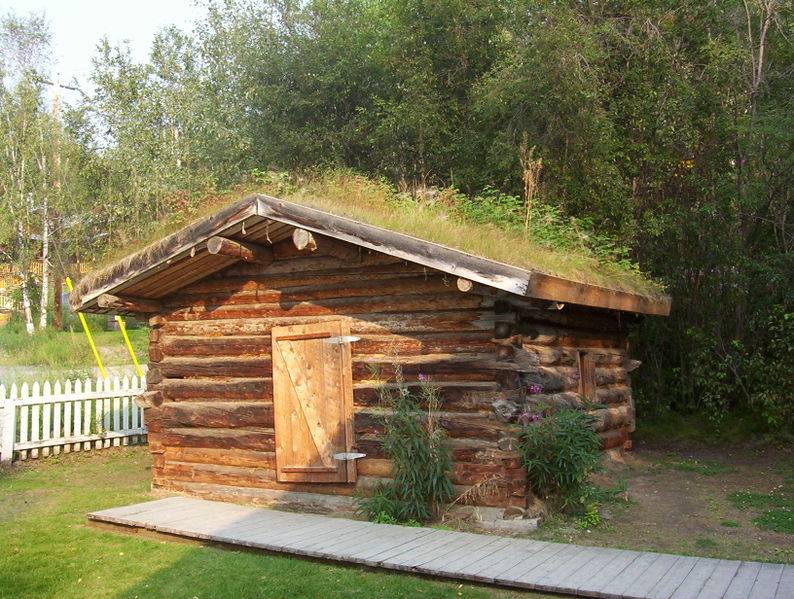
x=59 y=355
x=705 y=467
x=781 y=499
x=375 y=202
x=47 y=550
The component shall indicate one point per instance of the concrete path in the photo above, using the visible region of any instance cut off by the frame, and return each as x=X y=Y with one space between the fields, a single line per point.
x=521 y=563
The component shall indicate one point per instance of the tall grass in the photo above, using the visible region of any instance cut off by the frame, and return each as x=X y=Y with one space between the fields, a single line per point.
x=67 y=351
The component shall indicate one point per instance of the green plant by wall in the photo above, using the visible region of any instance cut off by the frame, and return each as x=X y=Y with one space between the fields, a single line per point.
x=560 y=451
x=421 y=459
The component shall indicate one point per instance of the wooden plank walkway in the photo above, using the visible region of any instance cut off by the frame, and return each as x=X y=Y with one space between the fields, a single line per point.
x=521 y=563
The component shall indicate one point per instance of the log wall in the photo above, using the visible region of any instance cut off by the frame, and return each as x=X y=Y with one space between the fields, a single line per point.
x=210 y=359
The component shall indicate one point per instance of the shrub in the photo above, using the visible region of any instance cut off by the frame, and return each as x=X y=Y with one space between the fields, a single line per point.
x=560 y=451
x=420 y=458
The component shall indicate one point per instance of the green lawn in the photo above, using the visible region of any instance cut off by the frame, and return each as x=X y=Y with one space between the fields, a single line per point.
x=48 y=550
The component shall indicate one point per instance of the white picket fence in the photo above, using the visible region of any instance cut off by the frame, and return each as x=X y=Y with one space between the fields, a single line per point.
x=41 y=420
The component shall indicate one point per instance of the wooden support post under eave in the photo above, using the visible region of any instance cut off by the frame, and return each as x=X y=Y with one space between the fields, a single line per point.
x=128 y=304
x=248 y=252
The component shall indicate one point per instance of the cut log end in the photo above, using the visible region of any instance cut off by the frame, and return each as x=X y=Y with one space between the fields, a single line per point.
x=149 y=399
x=247 y=252
x=304 y=240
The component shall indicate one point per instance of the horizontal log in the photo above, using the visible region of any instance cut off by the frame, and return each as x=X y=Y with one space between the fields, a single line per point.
x=481 y=426
x=542 y=334
x=462 y=396
x=266 y=280
x=107 y=301
x=225 y=457
x=613 y=395
x=555 y=401
x=302 y=265
x=288 y=500
x=462 y=473
x=578 y=318
x=355 y=305
x=216 y=414
x=610 y=376
x=475 y=451
x=261 y=478
x=612 y=418
x=233 y=248
x=216 y=346
x=539 y=355
x=253 y=439
x=224 y=367
x=455 y=366
x=249 y=345
x=378 y=324
x=315 y=292
x=220 y=390
x=615 y=437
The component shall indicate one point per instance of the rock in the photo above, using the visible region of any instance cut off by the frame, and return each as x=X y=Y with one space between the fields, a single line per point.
x=507 y=443
x=517 y=526
x=506 y=410
x=512 y=512
x=464 y=513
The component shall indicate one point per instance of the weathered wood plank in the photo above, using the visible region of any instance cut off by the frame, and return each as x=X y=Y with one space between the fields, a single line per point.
x=766 y=583
x=629 y=576
x=785 y=588
x=668 y=584
x=743 y=581
x=718 y=581
x=567 y=569
x=692 y=584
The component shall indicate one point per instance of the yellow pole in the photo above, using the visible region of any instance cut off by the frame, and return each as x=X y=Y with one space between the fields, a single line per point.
x=81 y=316
x=123 y=329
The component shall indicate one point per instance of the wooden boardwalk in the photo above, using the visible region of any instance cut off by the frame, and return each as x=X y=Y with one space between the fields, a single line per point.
x=522 y=563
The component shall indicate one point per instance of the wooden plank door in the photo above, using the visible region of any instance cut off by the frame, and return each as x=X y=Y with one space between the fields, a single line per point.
x=312 y=403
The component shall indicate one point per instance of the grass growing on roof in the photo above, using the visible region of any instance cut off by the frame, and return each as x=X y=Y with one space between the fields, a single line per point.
x=489 y=225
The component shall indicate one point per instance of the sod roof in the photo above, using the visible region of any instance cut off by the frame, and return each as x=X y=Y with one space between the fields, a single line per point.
x=505 y=261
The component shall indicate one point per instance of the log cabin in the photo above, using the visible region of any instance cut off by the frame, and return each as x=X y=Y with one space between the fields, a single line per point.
x=274 y=327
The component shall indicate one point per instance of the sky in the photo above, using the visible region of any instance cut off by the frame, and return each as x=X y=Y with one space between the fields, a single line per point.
x=77 y=26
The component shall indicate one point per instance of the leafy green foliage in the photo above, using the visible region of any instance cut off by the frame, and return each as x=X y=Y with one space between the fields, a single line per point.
x=560 y=451
x=421 y=460
x=665 y=134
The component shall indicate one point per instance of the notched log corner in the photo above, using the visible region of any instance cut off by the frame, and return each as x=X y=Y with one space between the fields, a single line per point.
x=149 y=399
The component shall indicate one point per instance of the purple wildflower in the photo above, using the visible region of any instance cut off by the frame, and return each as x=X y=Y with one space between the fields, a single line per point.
x=535 y=389
x=526 y=418
x=422 y=377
